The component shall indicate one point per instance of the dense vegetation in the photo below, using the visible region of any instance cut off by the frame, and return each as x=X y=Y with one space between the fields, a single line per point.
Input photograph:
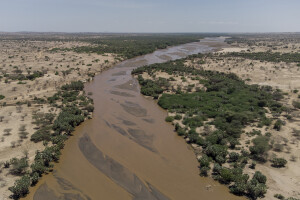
x=230 y=104
x=132 y=46
x=52 y=131
x=268 y=56
x=17 y=75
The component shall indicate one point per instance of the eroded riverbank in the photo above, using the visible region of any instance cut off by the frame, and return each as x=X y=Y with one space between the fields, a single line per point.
x=127 y=151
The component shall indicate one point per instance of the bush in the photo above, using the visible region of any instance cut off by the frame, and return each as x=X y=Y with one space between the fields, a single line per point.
x=67 y=119
x=278 y=162
x=169 y=119
x=204 y=161
x=204 y=171
x=278 y=124
x=19 y=166
x=233 y=156
x=21 y=187
x=238 y=188
x=216 y=150
x=279 y=196
x=226 y=176
x=296 y=104
x=260 y=177
x=253 y=165
x=74 y=85
x=261 y=146
x=178 y=117
x=43 y=134
x=35 y=178
x=256 y=190
x=89 y=108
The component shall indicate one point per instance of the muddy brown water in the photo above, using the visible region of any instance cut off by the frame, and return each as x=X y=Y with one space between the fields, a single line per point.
x=128 y=151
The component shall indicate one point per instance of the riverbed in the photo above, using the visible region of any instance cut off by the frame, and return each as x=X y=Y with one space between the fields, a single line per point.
x=128 y=151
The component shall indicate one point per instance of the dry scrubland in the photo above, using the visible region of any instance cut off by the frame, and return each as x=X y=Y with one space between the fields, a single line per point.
x=21 y=98
x=284 y=76
x=45 y=71
x=284 y=143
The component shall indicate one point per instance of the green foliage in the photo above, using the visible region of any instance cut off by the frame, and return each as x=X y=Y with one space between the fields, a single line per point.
x=228 y=100
x=296 y=104
x=178 y=117
x=132 y=46
x=18 y=166
x=279 y=196
x=260 y=148
x=34 y=178
x=230 y=105
x=278 y=124
x=233 y=156
x=217 y=152
x=67 y=119
x=256 y=190
x=260 y=177
x=42 y=134
x=267 y=56
x=1 y=97
x=278 y=162
x=74 y=85
x=169 y=119
x=21 y=187
x=150 y=88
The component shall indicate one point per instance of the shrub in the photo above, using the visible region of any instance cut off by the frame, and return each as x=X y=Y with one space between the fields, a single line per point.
x=34 y=178
x=1 y=97
x=74 y=85
x=67 y=119
x=43 y=134
x=278 y=124
x=261 y=146
x=226 y=176
x=233 y=156
x=216 y=150
x=253 y=165
x=89 y=108
x=278 y=162
x=255 y=189
x=21 y=187
x=204 y=161
x=296 y=104
x=279 y=196
x=204 y=171
x=260 y=177
x=178 y=117
x=238 y=188
x=169 y=119
x=19 y=166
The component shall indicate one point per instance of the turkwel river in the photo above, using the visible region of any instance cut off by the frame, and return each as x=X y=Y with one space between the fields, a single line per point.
x=128 y=151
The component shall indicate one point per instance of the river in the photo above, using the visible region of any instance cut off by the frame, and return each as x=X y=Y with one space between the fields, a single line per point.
x=128 y=151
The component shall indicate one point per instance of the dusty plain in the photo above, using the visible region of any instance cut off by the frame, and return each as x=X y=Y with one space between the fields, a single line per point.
x=23 y=56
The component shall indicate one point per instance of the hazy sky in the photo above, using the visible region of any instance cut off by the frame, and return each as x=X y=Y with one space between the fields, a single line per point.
x=150 y=15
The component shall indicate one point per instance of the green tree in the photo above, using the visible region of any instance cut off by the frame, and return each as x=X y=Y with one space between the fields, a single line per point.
x=21 y=187
x=278 y=162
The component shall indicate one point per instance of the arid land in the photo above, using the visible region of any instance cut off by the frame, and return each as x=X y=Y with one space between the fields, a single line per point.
x=21 y=97
x=284 y=76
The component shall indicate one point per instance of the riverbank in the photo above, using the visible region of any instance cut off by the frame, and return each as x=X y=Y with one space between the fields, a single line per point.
x=180 y=79
x=30 y=75
x=139 y=156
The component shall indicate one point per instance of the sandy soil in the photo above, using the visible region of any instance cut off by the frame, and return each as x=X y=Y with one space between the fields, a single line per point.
x=59 y=68
x=284 y=76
